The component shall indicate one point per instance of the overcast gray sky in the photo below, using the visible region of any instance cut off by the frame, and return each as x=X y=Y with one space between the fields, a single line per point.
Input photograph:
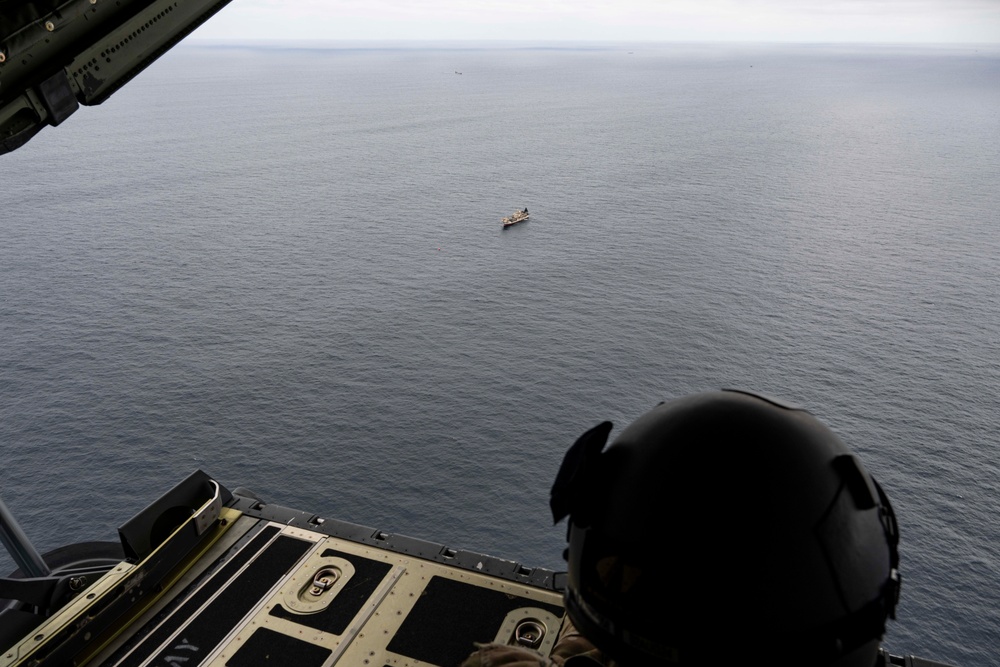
x=968 y=21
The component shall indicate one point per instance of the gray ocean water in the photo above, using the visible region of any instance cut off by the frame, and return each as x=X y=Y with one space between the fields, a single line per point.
x=285 y=266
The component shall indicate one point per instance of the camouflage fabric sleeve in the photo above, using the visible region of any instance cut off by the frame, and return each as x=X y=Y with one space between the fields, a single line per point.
x=497 y=655
x=571 y=650
x=574 y=650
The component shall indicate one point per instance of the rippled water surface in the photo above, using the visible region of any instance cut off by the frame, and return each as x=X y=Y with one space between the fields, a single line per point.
x=286 y=267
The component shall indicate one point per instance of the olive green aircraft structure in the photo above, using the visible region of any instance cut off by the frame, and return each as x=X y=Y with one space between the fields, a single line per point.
x=56 y=56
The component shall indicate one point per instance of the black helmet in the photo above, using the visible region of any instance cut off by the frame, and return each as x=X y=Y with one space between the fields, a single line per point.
x=724 y=528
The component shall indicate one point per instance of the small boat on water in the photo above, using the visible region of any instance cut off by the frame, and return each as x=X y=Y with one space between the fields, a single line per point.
x=518 y=216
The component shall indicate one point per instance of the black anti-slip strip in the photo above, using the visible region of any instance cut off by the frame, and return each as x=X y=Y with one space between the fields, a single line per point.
x=450 y=615
x=224 y=612
x=368 y=574
x=266 y=648
x=153 y=640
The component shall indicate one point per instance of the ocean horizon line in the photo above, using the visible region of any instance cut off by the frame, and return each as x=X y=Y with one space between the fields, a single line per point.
x=563 y=45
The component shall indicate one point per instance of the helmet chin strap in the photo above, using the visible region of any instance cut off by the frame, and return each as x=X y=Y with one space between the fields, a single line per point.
x=867 y=495
x=892 y=587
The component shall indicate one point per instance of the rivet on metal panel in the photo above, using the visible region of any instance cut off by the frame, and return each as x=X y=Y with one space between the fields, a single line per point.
x=50 y=26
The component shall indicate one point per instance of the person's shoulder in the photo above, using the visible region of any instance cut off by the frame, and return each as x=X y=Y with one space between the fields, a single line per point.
x=571 y=651
x=500 y=655
x=575 y=650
